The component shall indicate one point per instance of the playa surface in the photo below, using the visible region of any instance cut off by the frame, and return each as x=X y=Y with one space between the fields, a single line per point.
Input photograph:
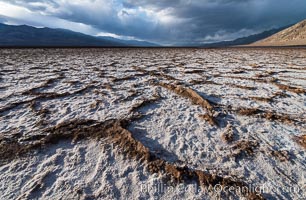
x=152 y=123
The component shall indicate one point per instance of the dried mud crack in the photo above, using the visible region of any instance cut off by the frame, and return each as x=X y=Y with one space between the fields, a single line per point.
x=115 y=130
x=269 y=115
x=195 y=98
x=44 y=97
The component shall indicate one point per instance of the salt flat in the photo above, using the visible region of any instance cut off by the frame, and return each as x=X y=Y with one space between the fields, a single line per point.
x=152 y=123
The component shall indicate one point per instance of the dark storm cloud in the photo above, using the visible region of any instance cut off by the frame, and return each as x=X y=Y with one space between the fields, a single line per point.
x=223 y=18
x=173 y=21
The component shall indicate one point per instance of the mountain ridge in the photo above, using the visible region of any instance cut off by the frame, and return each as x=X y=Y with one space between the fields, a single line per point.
x=248 y=39
x=294 y=35
x=130 y=42
x=28 y=36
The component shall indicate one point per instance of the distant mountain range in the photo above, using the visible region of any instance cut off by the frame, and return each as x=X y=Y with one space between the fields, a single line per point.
x=28 y=36
x=25 y=36
x=130 y=42
x=292 y=36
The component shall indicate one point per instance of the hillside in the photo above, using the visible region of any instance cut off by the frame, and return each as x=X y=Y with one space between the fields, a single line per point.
x=246 y=40
x=30 y=36
x=24 y=36
x=292 y=36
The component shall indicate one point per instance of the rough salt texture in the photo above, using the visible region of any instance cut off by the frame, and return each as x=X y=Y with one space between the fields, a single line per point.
x=43 y=88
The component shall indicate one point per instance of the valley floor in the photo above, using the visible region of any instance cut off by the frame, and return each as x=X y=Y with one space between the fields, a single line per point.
x=152 y=123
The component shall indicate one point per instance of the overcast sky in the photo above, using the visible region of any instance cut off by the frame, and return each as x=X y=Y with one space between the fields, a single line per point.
x=161 y=21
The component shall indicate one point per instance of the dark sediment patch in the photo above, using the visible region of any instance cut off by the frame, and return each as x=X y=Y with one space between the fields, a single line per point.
x=292 y=77
x=284 y=87
x=36 y=107
x=228 y=134
x=211 y=120
x=301 y=140
x=302 y=68
x=241 y=71
x=264 y=99
x=266 y=74
x=291 y=88
x=242 y=87
x=280 y=94
x=139 y=69
x=246 y=78
x=282 y=155
x=254 y=65
x=195 y=71
x=269 y=115
x=126 y=78
x=245 y=148
x=95 y=104
x=198 y=82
